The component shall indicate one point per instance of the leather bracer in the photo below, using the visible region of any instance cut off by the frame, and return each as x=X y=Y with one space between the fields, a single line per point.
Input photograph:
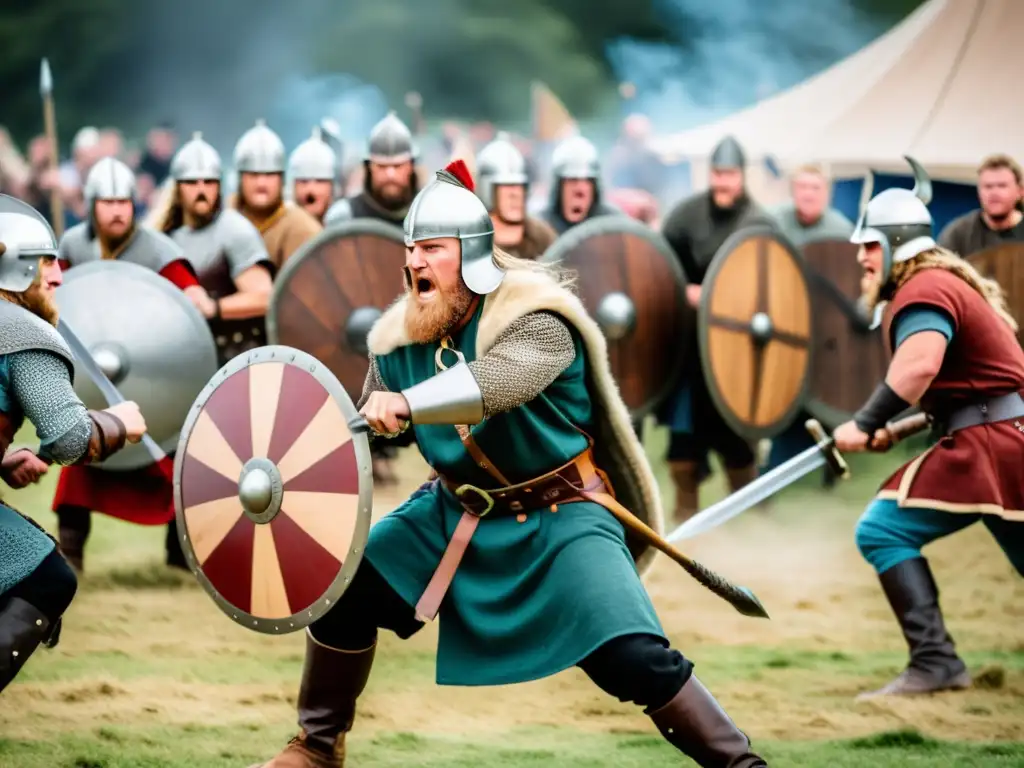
x=108 y=436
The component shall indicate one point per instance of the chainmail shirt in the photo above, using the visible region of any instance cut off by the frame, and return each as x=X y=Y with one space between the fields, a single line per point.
x=39 y=381
x=525 y=360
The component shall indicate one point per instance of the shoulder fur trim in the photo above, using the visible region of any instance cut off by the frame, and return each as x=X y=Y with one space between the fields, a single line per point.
x=523 y=292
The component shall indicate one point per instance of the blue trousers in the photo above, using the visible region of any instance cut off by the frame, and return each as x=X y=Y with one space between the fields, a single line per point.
x=887 y=534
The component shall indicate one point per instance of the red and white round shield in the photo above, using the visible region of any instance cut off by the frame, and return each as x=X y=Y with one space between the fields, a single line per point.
x=273 y=490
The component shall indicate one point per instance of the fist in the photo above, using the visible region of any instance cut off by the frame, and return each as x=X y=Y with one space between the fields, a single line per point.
x=849 y=438
x=134 y=424
x=201 y=300
x=387 y=413
x=882 y=441
x=22 y=468
x=693 y=295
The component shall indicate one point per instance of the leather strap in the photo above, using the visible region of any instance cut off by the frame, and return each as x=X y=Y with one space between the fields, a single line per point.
x=430 y=601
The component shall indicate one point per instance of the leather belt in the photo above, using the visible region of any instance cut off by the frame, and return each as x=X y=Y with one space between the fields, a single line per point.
x=547 y=490
x=557 y=487
x=990 y=411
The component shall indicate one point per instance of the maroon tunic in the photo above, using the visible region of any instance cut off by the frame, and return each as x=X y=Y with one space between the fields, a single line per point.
x=978 y=469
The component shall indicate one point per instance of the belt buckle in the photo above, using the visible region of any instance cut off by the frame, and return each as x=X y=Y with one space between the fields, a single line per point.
x=462 y=490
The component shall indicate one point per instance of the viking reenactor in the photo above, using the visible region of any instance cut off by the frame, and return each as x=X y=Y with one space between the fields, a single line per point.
x=807 y=216
x=110 y=233
x=955 y=353
x=696 y=228
x=313 y=173
x=1000 y=219
x=576 y=191
x=502 y=185
x=504 y=378
x=389 y=186
x=389 y=177
x=36 y=370
x=260 y=165
x=225 y=249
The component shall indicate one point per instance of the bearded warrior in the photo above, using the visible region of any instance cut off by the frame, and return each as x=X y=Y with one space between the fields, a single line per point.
x=389 y=186
x=36 y=583
x=224 y=248
x=502 y=187
x=696 y=228
x=142 y=496
x=313 y=171
x=1001 y=216
x=576 y=192
x=954 y=352
x=260 y=165
x=504 y=378
x=390 y=177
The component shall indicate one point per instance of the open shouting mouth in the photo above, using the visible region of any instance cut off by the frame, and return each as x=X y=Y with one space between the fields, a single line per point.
x=424 y=288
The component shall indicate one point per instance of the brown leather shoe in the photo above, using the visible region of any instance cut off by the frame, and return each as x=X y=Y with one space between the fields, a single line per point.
x=695 y=724
x=332 y=680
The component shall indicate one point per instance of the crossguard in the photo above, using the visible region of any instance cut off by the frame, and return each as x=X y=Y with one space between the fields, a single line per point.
x=828 y=447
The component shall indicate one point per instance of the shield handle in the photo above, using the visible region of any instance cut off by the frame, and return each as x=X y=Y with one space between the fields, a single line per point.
x=828 y=447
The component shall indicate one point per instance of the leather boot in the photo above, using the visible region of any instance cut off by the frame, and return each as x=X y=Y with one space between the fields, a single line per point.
x=695 y=724
x=740 y=477
x=934 y=664
x=686 y=478
x=73 y=524
x=332 y=680
x=22 y=629
x=175 y=557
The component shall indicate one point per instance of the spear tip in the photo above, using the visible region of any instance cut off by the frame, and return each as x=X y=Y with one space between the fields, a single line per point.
x=45 y=78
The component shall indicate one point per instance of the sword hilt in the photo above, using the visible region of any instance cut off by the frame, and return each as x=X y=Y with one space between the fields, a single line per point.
x=828 y=448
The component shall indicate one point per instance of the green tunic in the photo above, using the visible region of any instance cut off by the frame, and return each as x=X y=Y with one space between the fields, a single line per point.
x=531 y=598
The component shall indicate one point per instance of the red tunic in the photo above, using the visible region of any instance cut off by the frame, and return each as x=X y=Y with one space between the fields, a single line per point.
x=141 y=496
x=978 y=469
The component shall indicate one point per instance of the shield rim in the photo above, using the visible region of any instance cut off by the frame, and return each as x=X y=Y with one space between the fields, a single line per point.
x=364 y=509
x=599 y=225
x=830 y=416
x=353 y=227
x=747 y=431
x=135 y=457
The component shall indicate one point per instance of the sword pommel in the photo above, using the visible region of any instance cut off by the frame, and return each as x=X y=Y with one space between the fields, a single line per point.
x=828 y=448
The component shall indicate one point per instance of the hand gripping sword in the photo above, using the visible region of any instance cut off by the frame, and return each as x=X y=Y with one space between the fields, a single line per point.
x=822 y=453
x=740 y=598
x=111 y=395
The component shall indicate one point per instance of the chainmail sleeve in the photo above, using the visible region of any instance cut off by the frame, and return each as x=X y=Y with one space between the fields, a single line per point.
x=373 y=383
x=525 y=359
x=42 y=385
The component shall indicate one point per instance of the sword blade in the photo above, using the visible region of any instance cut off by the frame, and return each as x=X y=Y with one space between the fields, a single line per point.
x=751 y=494
x=105 y=385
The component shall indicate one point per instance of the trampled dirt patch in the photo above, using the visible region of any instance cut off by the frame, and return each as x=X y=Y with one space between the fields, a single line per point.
x=156 y=655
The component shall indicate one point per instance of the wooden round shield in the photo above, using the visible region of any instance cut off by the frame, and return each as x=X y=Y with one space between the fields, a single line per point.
x=1005 y=264
x=273 y=491
x=848 y=358
x=755 y=332
x=332 y=290
x=634 y=287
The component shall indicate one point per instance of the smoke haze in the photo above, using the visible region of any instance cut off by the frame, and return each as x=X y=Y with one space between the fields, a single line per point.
x=250 y=59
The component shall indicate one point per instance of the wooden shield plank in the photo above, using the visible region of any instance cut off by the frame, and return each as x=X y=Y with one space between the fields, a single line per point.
x=848 y=358
x=332 y=290
x=1005 y=264
x=272 y=490
x=631 y=282
x=755 y=333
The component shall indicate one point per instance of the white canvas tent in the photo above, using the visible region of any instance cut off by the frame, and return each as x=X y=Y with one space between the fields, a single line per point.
x=940 y=86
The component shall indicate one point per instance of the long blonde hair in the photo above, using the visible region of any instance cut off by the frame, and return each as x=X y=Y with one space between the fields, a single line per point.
x=941 y=258
x=564 y=276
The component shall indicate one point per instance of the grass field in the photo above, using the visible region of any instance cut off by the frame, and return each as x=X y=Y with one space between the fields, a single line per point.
x=150 y=673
